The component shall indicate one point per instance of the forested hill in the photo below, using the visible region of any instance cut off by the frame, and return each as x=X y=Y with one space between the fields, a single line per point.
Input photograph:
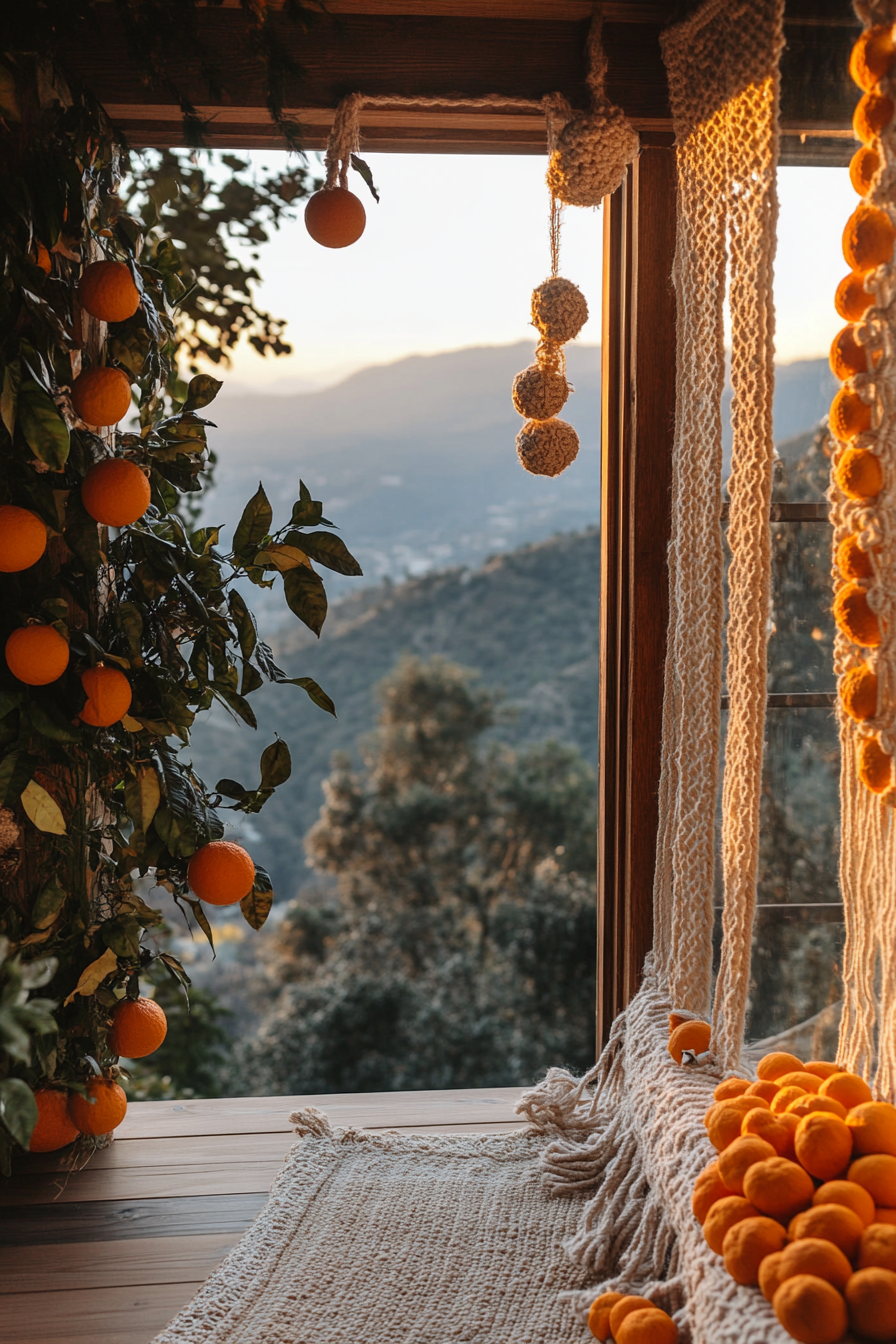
x=527 y=621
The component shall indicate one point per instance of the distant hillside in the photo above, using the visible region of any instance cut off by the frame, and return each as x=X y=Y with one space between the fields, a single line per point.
x=527 y=621
x=415 y=460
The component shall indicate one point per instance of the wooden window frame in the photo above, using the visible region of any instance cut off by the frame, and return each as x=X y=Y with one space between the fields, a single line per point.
x=637 y=424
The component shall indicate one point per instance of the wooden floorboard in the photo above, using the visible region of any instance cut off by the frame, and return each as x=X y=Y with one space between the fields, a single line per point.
x=68 y=1266
x=112 y=1251
x=126 y=1219
x=93 y=1315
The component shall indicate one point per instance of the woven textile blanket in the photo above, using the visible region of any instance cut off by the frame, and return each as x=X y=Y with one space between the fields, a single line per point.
x=391 y=1238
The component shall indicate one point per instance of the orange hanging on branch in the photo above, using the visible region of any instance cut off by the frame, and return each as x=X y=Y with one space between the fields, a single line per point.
x=139 y=1026
x=36 y=654
x=101 y=396
x=115 y=492
x=108 y=696
x=221 y=873
x=23 y=539
x=107 y=291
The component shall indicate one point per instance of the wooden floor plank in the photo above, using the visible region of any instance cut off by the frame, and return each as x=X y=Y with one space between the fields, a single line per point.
x=203 y=1175
x=93 y=1315
x=68 y=1266
x=126 y=1220
x=373 y=1110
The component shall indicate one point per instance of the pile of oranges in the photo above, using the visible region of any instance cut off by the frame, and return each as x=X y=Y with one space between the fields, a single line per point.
x=801 y=1200
x=628 y=1319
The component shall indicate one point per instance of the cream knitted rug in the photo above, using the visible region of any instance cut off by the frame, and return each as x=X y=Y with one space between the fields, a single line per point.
x=392 y=1238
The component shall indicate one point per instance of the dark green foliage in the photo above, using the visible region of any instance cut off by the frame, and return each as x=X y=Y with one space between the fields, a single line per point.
x=461 y=951
x=84 y=809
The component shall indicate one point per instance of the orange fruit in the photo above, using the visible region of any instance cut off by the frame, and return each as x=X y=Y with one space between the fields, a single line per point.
x=771 y=1067
x=778 y=1130
x=107 y=291
x=647 y=1325
x=739 y=1156
x=693 y=1036
x=858 y=622
x=876 y=1173
x=809 y=1082
x=829 y=1222
x=852 y=561
x=812 y=1255
x=778 y=1187
x=722 y=1217
x=101 y=396
x=335 y=217
x=875 y=766
x=763 y=1089
x=873 y=1125
x=708 y=1188
x=108 y=696
x=54 y=1128
x=221 y=873
x=821 y=1068
x=770 y=1275
x=747 y=1244
x=23 y=539
x=850 y=415
x=858 y=692
x=785 y=1097
x=871 y=56
x=599 y=1315
x=852 y=299
x=102 y=1110
x=823 y=1145
x=863 y=168
x=873 y=111
x=868 y=237
x=731 y=1087
x=810 y=1310
x=858 y=473
x=115 y=492
x=139 y=1026
x=36 y=654
x=624 y=1307
x=850 y=1195
x=808 y=1103
x=725 y=1120
x=871 y=1302
x=675 y=1020
x=847 y=356
x=878 y=1246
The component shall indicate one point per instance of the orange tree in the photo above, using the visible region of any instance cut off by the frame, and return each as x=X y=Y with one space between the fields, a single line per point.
x=86 y=810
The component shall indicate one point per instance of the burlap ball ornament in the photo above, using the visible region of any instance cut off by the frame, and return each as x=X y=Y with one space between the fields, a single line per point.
x=591 y=156
x=559 y=310
x=546 y=447
x=539 y=393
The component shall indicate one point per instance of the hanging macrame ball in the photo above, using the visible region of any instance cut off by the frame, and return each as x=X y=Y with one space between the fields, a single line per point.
x=546 y=447
x=539 y=393
x=592 y=154
x=559 y=310
x=335 y=217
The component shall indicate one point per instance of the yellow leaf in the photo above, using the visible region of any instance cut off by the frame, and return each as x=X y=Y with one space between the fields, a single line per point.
x=132 y=725
x=93 y=975
x=282 y=557
x=42 y=809
x=35 y=938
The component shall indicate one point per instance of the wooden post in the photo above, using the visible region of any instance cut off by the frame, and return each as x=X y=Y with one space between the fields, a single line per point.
x=638 y=408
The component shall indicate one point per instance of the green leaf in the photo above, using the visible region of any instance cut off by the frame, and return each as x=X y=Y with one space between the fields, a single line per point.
x=203 y=390
x=254 y=525
x=142 y=795
x=276 y=765
x=229 y=788
x=18 y=1109
x=175 y=969
x=42 y=810
x=252 y=679
x=50 y=900
x=202 y=920
x=240 y=707
x=257 y=905
x=15 y=771
x=245 y=625
x=82 y=532
x=313 y=691
x=48 y=719
x=363 y=170
x=12 y=377
x=305 y=596
x=122 y=935
x=329 y=550
x=306 y=512
x=129 y=620
x=43 y=427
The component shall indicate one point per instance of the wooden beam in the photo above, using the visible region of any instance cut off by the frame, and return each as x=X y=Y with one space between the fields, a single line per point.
x=638 y=375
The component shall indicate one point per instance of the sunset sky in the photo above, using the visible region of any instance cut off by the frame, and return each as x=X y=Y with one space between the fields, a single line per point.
x=451 y=254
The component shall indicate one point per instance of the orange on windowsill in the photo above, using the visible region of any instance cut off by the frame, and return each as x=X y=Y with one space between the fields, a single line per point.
x=54 y=1128
x=102 y=1110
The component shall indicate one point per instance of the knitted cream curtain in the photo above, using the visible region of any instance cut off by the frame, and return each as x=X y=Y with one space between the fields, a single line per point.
x=723 y=80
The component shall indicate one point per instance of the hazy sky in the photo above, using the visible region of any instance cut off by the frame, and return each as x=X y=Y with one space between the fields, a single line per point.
x=450 y=256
